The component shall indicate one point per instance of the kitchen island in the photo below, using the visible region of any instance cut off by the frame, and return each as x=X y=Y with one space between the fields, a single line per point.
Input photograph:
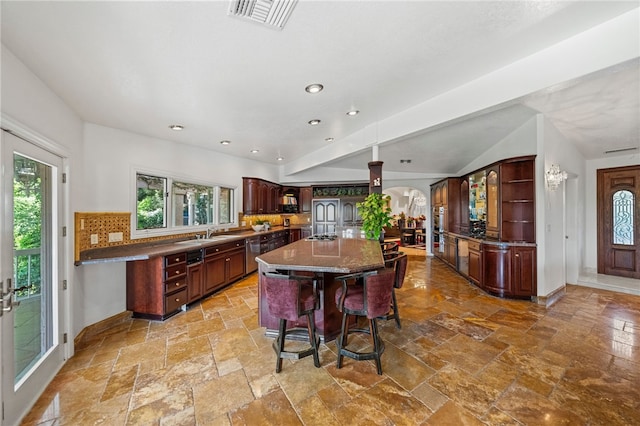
x=327 y=259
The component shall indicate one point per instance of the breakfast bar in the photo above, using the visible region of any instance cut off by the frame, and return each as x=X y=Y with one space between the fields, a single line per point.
x=326 y=257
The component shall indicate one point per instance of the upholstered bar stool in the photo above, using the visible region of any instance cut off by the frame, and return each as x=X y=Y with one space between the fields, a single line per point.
x=398 y=263
x=366 y=294
x=289 y=297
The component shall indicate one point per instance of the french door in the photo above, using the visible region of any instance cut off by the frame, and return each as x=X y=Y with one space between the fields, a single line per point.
x=619 y=221
x=31 y=256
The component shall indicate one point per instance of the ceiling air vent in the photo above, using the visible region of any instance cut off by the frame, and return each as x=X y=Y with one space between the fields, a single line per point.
x=272 y=13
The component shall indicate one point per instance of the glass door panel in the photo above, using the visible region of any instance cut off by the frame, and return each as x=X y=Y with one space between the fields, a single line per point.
x=30 y=256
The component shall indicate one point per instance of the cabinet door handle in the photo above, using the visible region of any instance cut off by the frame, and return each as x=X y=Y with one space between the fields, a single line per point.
x=227 y=259
x=177 y=272
x=177 y=299
x=177 y=259
x=177 y=284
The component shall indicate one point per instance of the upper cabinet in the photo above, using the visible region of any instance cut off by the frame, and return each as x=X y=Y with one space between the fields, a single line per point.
x=517 y=200
x=260 y=196
x=306 y=196
x=493 y=200
x=446 y=204
x=497 y=202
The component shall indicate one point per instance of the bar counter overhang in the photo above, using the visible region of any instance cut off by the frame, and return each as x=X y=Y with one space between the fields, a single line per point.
x=327 y=259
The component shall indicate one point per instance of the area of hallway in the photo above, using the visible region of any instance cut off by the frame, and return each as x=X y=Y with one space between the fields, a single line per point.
x=462 y=357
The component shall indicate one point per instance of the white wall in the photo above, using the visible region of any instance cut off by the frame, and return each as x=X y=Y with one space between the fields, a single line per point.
x=550 y=207
x=31 y=109
x=521 y=141
x=590 y=201
x=113 y=155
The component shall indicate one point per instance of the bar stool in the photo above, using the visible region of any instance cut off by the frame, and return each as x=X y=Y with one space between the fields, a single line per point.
x=389 y=247
x=364 y=294
x=398 y=263
x=419 y=236
x=290 y=297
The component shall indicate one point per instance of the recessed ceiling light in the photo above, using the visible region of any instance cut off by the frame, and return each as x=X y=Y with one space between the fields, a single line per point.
x=314 y=88
x=280 y=158
x=353 y=112
x=255 y=151
x=225 y=142
x=176 y=127
x=329 y=139
x=405 y=161
x=314 y=122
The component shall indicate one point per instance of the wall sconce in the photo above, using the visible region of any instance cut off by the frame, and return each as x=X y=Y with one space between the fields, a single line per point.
x=555 y=177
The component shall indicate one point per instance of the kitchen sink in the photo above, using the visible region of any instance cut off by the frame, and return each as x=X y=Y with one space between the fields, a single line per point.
x=190 y=242
x=221 y=237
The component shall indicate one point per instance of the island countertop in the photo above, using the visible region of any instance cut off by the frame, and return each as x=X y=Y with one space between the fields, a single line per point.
x=342 y=255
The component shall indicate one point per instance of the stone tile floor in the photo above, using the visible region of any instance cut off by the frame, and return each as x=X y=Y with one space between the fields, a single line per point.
x=461 y=358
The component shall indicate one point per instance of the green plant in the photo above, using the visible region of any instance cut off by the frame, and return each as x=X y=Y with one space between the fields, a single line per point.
x=376 y=214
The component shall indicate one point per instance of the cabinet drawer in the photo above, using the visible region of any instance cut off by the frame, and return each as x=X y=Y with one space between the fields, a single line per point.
x=174 y=285
x=175 y=271
x=172 y=259
x=474 y=245
x=172 y=302
x=223 y=247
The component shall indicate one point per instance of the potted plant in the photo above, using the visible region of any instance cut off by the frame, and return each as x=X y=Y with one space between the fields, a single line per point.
x=376 y=214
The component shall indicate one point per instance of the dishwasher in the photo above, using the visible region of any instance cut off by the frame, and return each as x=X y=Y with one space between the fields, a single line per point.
x=252 y=250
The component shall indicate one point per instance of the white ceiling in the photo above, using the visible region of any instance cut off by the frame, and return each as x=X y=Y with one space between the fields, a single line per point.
x=141 y=66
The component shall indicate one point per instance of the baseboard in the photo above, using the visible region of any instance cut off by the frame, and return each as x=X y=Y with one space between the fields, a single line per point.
x=552 y=297
x=98 y=327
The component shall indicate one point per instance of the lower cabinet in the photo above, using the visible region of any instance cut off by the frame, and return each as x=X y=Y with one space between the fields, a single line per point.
x=157 y=288
x=451 y=250
x=509 y=270
x=294 y=235
x=475 y=262
x=524 y=271
x=223 y=264
x=195 y=281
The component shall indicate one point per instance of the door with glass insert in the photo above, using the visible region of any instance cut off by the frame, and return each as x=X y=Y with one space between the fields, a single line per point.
x=619 y=221
x=30 y=258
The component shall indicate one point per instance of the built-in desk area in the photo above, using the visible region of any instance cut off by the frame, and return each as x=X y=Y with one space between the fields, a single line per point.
x=327 y=259
x=484 y=226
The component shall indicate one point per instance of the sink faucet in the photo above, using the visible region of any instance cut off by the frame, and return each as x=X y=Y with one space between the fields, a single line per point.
x=209 y=232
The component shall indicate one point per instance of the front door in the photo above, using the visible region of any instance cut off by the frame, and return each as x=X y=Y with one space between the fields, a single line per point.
x=30 y=257
x=619 y=221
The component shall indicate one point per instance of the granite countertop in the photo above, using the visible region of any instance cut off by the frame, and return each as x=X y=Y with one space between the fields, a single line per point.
x=493 y=241
x=144 y=251
x=342 y=255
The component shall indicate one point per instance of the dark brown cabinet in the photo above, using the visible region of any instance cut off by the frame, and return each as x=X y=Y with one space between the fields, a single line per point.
x=350 y=216
x=157 y=287
x=475 y=261
x=260 y=196
x=524 y=271
x=306 y=197
x=517 y=206
x=509 y=270
x=223 y=264
x=195 y=281
x=294 y=235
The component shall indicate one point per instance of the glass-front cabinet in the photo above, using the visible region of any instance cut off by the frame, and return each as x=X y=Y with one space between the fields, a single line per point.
x=478 y=203
x=493 y=222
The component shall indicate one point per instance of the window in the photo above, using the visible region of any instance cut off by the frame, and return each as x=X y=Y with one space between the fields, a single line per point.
x=623 y=204
x=150 y=206
x=186 y=204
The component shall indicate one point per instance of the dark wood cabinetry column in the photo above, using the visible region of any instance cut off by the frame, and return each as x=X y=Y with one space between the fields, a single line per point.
x=375 y=177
